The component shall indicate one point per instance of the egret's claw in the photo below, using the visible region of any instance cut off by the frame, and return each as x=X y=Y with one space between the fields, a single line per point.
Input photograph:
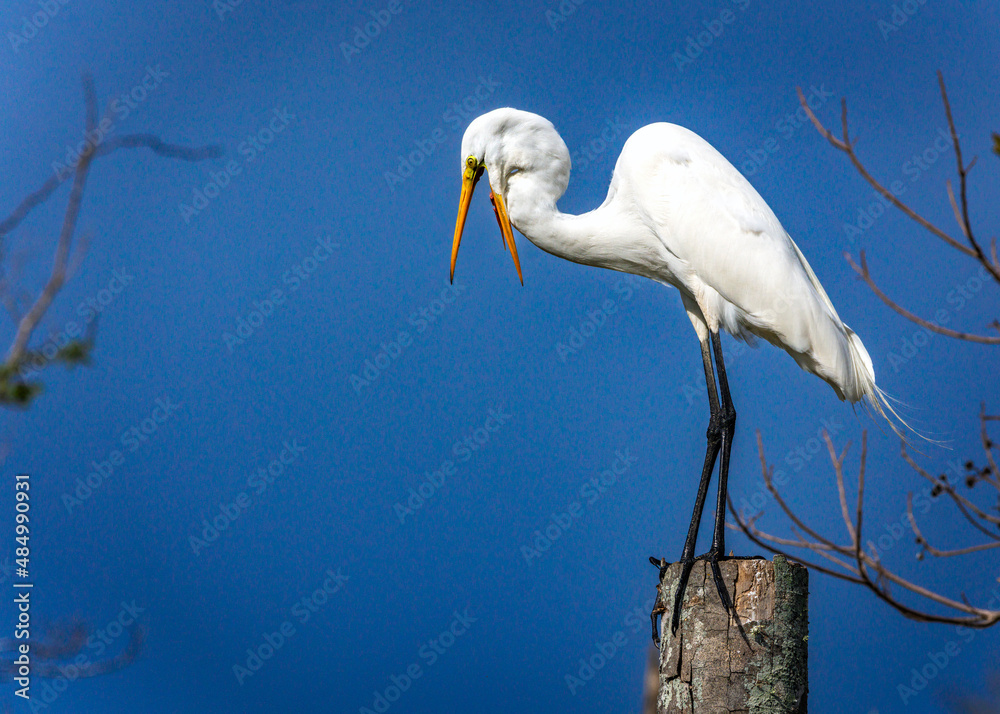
x=713 y=560
x=658 y=607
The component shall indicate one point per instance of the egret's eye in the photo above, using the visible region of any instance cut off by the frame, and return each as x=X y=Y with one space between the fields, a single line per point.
x=513 y=171
x=471 y=162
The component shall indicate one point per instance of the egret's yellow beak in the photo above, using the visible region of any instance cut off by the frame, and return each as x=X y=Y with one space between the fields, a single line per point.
x=503 y=220
x=470 y=177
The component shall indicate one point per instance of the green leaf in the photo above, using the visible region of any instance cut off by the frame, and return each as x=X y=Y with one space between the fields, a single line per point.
x=18 y=393
x=74 y=353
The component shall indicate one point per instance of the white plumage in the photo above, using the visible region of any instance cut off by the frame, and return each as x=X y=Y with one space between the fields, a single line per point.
x=676 y=212
x=679 y=213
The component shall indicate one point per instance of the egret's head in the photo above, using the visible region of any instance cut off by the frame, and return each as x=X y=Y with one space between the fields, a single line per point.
x=505 y=143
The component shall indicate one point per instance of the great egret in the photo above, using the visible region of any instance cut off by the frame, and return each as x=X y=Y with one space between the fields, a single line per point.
x=679 y=213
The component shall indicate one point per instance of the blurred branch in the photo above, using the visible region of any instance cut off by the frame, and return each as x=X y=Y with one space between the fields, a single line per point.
x=862 y=270
x=28 y=323
x=984 y=522
x=960 y=207
x=850 y=560
x=128 y=141
x=14 y=389
x=847 y=146
x=51 y=654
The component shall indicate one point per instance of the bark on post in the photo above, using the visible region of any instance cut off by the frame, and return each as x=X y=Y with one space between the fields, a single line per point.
x=707 y=666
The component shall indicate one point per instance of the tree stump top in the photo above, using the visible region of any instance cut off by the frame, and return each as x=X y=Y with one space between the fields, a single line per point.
x=708 y=667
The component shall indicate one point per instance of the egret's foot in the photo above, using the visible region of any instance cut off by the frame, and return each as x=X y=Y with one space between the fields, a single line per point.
x=658 y=608
x=713 y=559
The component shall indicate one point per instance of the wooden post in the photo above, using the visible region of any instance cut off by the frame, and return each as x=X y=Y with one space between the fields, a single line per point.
x=707 y=667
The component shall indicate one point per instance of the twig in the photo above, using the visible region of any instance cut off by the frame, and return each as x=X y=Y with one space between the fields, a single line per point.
x=861 y=496
x=963 y=503
x=34 y=315
x=840 y=483
x=755 y=536
x=963 y=172
x=988 y=445
x=922 y=539
x=129 y=141
x=955 y=208
x=865 y=564
x=862 y=270
x=780 y=501
x=847 y=147
x=868 y=568
x=61 y=266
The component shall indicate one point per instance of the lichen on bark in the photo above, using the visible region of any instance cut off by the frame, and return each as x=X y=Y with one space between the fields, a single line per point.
x=708 y=667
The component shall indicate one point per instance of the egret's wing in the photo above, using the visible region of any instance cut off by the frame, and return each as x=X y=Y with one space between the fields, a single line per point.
x=727 y=251
x=728 y=239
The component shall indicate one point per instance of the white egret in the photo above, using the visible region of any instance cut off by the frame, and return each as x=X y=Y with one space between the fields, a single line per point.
x=679 y=213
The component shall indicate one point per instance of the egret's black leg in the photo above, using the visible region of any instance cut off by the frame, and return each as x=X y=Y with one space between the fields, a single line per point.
x=721 y=428
x=714 y=437
x=728 y=419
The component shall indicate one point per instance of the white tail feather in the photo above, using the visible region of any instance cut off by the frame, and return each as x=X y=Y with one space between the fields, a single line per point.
x=875 y=401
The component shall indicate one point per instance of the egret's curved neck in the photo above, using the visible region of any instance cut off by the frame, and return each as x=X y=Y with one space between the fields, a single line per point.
x=587 y=239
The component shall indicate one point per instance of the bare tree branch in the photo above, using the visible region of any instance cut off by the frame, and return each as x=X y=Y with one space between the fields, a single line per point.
x=12 y=388
x=862 y=270
x=129 y=141
x=963 y=172
x=865 y=565
x=841 y=492
x=63 y=643
x=850 y=561
x=847 y=146
x=839 y=468
x=990 y=473
x=922 y=540
x=55 y=282
x=768 y=471
x=960 y=208
x=967 y=507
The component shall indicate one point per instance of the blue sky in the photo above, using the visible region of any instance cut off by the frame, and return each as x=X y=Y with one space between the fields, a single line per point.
x=332 y=212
